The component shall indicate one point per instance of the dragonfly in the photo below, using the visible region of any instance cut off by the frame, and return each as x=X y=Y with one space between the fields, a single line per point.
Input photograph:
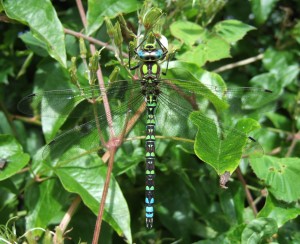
x=145 y=104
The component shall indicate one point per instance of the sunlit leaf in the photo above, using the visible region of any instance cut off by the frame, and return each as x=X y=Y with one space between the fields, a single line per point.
x=44 y=24
x=98 y=9
x=279 y=210
x=219 y=147
x=187 y=32
x=280 y=176
x=232 y=30
x=86 y=177
x=258 y=230
x=12 y=157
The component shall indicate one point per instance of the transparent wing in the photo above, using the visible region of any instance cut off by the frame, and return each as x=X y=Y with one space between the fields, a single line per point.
x=220 y=96
x=178 y=99
x=124 y=101
x=62 y=103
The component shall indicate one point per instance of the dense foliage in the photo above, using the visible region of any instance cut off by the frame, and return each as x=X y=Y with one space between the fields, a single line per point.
x=224 y=43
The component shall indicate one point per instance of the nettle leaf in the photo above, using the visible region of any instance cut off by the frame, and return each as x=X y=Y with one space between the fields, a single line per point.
x=44 y=24
x=86 y=176
x=279 y=210
x=232 y=30
x=211 y=48
x=281 y=176
x=261 y=9
x=210 y=45
x=220 y=147
x=12 y=157
x=187 y=32
x=258 y=230
x=98 y=9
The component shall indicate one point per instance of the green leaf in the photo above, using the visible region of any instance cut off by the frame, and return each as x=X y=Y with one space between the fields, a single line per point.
x=261 y=9
x=48 y=195
x=187 y=32
x=8 y=200
x=180 y=70
x=6 y=71
x=278 y=60
x=258 y=230
x=282 y=65
x=221 y=149
x=211 y=48
x=232 y=203
x=232 y=30
x=98 y=9
x=86 y=177
x=280 y=211
x=34 y=44
x=174 y=211
x=44 y=80
x=280 y=176
x=12 y=157
x=268 y=81
x=44 y=24
x=296 y=31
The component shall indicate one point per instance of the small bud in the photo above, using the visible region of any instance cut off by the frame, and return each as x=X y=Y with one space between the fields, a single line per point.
x=114 y=75
x=73 y=71
x=124 y=26
x=122 y=20
x=132 y=45
x=118 y=38
x=82 y=48
x=109 y=27
x=151 y=18
x=157 y=28
x=93 y=66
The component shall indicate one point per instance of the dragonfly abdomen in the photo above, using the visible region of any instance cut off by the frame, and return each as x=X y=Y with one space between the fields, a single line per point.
x=151 y=104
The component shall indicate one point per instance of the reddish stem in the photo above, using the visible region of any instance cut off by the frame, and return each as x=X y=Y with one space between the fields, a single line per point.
x=248 y=194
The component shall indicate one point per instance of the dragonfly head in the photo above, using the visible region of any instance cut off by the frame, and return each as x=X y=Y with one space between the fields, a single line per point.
x=149 y=47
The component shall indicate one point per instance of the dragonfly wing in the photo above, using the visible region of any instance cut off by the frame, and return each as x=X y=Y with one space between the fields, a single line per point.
x=63 y=103
x=108 y=124
x=220 y=96
x=215 y=143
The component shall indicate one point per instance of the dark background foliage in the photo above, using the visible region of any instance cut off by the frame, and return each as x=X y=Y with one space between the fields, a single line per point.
x=261 y=202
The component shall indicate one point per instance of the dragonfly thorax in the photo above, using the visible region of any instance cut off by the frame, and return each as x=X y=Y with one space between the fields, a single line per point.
x=150 y=54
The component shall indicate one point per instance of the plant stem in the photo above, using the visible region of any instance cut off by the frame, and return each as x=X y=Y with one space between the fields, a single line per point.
x=67 y=218
x=92 y=40
x=103 y=198
x=296 y=138
x=248 y=194
x=113 y=147
x=239 y=63
x=32 y=120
